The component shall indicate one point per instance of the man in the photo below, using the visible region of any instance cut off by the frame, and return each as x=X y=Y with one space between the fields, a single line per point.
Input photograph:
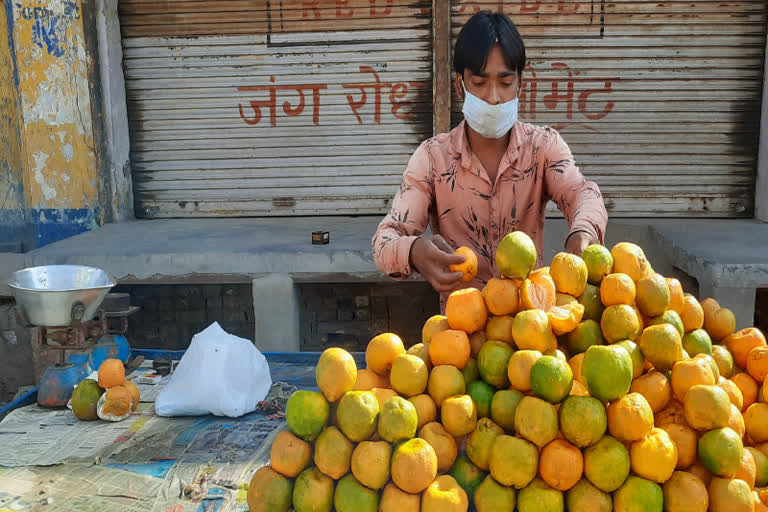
x=487 y=177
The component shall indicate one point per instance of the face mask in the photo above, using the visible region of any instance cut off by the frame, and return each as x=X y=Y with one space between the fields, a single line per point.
x=490 y=121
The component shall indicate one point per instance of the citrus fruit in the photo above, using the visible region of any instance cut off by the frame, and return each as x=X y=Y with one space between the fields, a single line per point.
x=491 y=496
x=480 y=442
x=569 y=272
x=445 y=381
x=586 y=334
x=756 y=422
x=442 y=442
x=368 y=379
x=114 y=404
x=736 y=422
x=606 y=464
x=482 y=394
x=655 y=387
x=289 y=455
x=351 y=496
x=741 y=342
x=395 y=500
x=133 y=390
x=653 y=295
x=619 y=322
x=449 y=347
x=757 y=362
x=668 y=317
x=499 y=328
x=503 y=407
x=444 y=495
x=709 y=306
x=564 y=319
x=654 y=457
x=538 y=292
x=468 y=267
x=638 y=361
x=502 y=296
x=420 y=350
x=575 y=363
x=561 y=465
x=467 y=475
x=697 y=342
x=519 y=368
x=734 y=393
x=662 y=346
x=675 y=294
x=698 y=470
x=630 y=418
x=563 y=298
x=583 y=420
x=599 y=262
x=726 y=495
x=538 y=496
x=426 y=410
x=513 y=462
x=720 y=324
x=616 y=289
x=471 y=372
x=674 y=412
x=531 y=331
x=593 y=306
x=551 y=379
x=720 y=450
x=111 y=373
x=333 y=453
x=269 y=491
x=397 y=420
x=313 y=491
x=515 y=255
x=476 y=341
x=638 y=495
x=748 y=470
x=357 y=415
x=459 y=415
x=685 y=439
x=306 y=414
x=433 y=325
x=409 y=374
x=707 y=407
x=585 y=497
x=761 y=466
x=691 y=314
x=336 y=373
x=688 y=373
x=724 y=360
x=414 y=465
x=370 y=463
x=684 y=492
x=382 y=351
x=536 y=421
x=607 y=371
x=84 y=399
x=630 y=259
x=492 y=362
x=748 y=387
x=466 y=311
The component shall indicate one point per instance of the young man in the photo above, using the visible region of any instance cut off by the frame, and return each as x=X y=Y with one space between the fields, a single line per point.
x=487 y=177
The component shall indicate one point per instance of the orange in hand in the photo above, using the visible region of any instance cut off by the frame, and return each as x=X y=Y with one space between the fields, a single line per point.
x=469 y=267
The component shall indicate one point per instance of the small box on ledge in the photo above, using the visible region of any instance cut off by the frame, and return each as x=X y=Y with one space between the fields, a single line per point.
x=321 y=237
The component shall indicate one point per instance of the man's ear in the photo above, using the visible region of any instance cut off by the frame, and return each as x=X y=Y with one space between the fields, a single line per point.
x=459 y=87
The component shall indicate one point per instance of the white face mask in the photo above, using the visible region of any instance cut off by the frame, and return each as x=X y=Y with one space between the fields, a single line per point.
x=490 y=121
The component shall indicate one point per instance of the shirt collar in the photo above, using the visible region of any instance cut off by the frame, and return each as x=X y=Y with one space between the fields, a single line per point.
x=460 y=143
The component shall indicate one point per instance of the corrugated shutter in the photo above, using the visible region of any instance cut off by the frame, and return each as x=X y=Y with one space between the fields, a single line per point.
x=659 y=101
x=276 y=107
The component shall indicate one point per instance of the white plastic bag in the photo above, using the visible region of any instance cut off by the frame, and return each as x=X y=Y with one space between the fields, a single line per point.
x=219 y=374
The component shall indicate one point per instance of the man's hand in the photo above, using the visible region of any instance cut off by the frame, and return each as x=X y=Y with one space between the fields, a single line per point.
x=431 y=259
x=578 y=241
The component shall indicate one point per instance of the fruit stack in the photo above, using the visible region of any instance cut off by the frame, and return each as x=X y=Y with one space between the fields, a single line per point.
x=110 y=397
x=594 y=384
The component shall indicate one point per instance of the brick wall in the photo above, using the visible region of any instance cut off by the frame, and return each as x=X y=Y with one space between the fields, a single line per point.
x=349 y=315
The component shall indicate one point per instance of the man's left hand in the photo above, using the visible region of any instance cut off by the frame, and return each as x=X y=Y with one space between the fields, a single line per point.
x=578 y=241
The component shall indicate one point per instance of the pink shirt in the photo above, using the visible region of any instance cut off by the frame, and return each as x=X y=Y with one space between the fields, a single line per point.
x=446 y=186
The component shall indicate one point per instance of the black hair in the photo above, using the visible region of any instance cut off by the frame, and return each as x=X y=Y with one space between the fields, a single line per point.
x=479 y=35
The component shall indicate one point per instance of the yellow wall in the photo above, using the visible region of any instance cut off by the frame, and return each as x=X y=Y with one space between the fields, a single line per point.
x=11 y=181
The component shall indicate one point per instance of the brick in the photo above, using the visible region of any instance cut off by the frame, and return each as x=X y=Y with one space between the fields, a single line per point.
x=344 y=316
x=330 y=302
x=211 y=290
x=326 y=315
x=214 y=303
x=362 y=301
x=362 y=314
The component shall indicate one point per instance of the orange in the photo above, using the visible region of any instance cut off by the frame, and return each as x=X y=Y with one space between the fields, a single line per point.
x=662 y=346
x=502 y=296
x=569 y=272
x=619 y=322
x=756 y=422
x=114 y=404
x=536 y=421
x=539 y=496
x=698 y=470
x=675 y=294
x=426 y=410
x=468 y=267
x=133 y=390
x=476 y=341
x=459 y=415
x=655 y=387
x=269 y=491
x=433 y=325
x=445 y=381
x=684 y=492
x=593 y=306
x=499 y=328
x=444 y=495
x=617 y=289
x=564 y=319
x=563 y=298
x=370 y=463
x=368 y=379
x=730 y=495
x=333 y=453
x=85 y=399
x=607 y=371
x=674 y=412
x=736 y=422
x=398 y=420
x=748 y=469
x=707 y=407
x=757 y=363
x=561 y=465
x=653 y=295
x=443 y=444
x=630 y=259
x=583 y=420
x=531 y=331
x=709 y=306
x=307 y=413
x=760 y=506
x=722 y=323
x=538 y=292
x=351 y=496
x=691 y=314
x=480 y=442
x=519 y=368
x=516 y=255
x=395 y=500
x=449 y=347
x=761 y=466
x=599 y=263
x=583 y=336
x=503 y=407
x=630 y=418
x=420 y=350
x=492 y=363
x=513 y=461
x=383 y=394
x=471 y=372
x=466 y=310
x=357 y=414
x=654 y=457
x=607 y=464
x=111 y=373
x=740 y=343
x=336 y=373
x=551 y=378
x=748 y=387
x=382 y=351
x=723 y=359
x=491 y=496
x=585 y=497
x=721 y=451
x=689 y=373
x=414 y=465
x=734 y=393
x=685 y=439
x=289 y=455
x=575 y=362
x=312 y=491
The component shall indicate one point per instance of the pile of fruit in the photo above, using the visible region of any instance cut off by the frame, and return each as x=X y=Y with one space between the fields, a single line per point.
x=110 y=397
x=594 y=384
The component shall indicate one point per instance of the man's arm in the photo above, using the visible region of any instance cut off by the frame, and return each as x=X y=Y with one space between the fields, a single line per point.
x=580 y=200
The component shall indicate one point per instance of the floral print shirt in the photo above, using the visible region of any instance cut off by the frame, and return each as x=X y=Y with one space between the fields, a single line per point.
x=446 y=187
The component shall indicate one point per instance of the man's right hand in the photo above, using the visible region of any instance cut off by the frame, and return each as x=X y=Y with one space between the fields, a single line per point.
x=431 y=258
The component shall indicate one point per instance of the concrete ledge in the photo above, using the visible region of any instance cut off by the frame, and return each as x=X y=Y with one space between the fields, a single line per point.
x=10 y=262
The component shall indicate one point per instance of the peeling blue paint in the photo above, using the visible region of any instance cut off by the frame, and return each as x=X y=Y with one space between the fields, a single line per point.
x=54 y=224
